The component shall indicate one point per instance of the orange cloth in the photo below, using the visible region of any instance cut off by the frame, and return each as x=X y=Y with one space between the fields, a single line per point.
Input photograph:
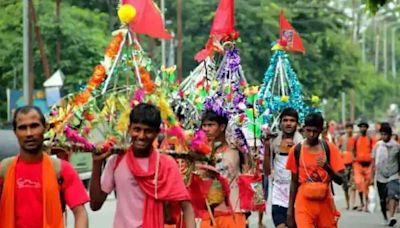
x=347 y=149
x=363 y=148
x=312 y=213
x=52 y=212
x=362 y=177
x=315 y=214
x=309 y=160
x=237 y=220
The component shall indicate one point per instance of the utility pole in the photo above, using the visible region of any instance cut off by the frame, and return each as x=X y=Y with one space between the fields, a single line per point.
x=163 y=60
x=27 y=57
x=180 y=36
x=385 y=60
x=171 y=55
x=352 y=93
x=353 y=106
x=354 y=17
x=394 y=73
x=376 y=45
x=363 y=46
x=343 y=108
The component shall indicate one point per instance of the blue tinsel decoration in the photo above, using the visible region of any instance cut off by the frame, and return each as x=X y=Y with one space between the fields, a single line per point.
x=272 y=102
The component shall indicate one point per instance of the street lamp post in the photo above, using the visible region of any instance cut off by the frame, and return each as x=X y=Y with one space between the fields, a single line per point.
x=162 y=4
x=27 y=88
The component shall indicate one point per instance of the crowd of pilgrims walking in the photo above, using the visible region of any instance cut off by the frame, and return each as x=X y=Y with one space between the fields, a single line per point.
x=301 y=162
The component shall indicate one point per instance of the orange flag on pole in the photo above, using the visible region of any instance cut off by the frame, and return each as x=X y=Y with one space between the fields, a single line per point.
x=288 y=33
x=148 y=19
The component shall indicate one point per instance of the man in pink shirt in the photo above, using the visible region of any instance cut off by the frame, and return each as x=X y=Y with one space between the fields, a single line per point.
x=143 y=178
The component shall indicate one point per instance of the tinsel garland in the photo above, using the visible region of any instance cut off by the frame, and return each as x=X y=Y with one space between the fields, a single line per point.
x=281 y=76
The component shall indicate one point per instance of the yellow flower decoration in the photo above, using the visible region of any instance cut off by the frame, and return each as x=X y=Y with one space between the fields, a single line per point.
x=168 y=70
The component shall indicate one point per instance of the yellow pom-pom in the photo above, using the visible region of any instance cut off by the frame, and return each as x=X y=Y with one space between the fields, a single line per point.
x=126 y=13
x=314 y=99
x=277 y=47
x=285 y=98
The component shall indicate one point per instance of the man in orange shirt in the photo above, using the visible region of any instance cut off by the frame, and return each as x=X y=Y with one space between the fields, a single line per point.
x=362 y=165
x=346 y=144
x=313 y=164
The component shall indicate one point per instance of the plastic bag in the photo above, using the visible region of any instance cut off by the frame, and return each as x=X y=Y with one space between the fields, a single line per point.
x=372 y=199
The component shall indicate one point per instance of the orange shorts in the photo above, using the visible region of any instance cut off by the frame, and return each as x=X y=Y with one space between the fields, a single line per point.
x=237 y=220
x=362 y=177
x=315 y=214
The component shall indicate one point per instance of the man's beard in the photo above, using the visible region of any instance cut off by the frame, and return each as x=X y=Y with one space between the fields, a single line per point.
x=35 y=150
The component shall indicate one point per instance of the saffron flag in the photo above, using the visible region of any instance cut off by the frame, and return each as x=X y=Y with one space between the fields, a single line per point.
x=289 y=34
x=148 y=19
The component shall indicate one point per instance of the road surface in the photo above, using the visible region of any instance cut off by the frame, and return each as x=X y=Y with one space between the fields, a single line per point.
x=349 y=219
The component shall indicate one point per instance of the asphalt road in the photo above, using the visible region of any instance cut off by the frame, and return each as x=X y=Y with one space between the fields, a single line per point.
x=349 y=219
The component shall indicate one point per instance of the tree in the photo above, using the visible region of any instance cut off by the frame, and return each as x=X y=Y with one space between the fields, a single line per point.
x=84 y=36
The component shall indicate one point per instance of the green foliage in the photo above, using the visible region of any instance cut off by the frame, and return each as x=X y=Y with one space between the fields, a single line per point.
x=374 y=5
x=332 y=63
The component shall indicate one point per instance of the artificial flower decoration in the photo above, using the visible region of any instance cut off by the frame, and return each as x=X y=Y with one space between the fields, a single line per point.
x=97 y=77
x=147 y=84
x=81 y=98
x=113 y=47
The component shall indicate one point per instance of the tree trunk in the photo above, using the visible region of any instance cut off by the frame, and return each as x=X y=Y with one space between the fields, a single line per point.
x=58 y=43
x=180 y=35
x=39 y=39
x=150 y=46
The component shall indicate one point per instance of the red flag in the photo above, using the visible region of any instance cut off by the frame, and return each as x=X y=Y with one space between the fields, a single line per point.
x=289 y=34
x=224 y=19
x=223 y=28
x=148 y=19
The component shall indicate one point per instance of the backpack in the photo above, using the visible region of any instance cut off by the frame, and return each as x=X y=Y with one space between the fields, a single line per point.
x=325 y=147
x=5 y=164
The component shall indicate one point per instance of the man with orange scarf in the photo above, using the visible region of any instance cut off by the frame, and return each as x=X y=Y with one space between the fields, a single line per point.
x=314 y=163
x=143 y=178
x=32 y=191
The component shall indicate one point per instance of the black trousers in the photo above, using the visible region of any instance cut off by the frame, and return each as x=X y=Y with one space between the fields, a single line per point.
x=383 y=193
